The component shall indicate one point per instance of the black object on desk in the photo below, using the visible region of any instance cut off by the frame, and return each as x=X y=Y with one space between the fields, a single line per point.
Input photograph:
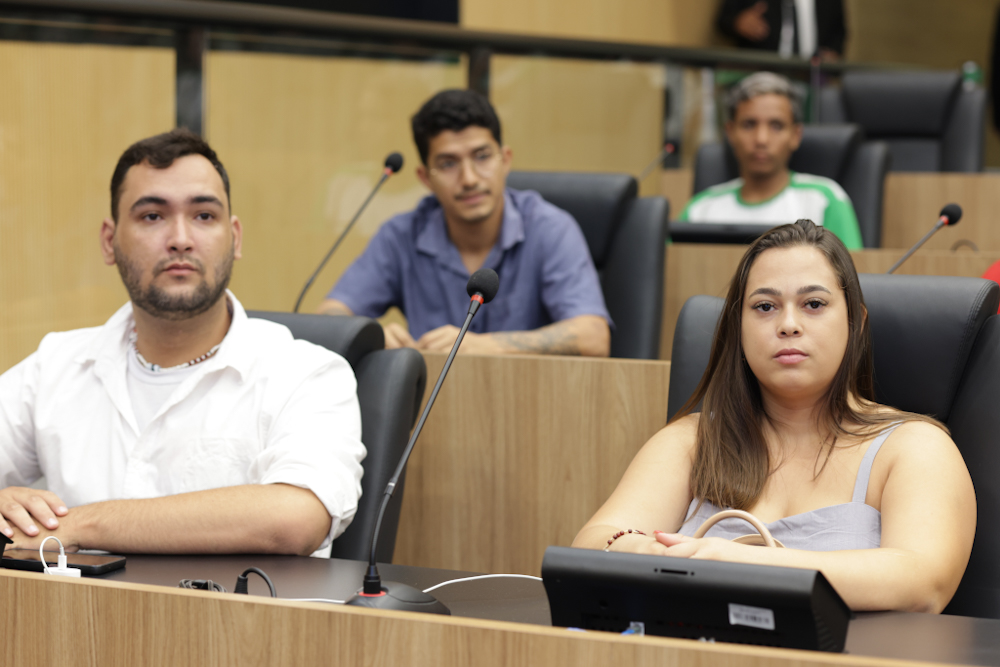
x=712 y=232
x=694 y=599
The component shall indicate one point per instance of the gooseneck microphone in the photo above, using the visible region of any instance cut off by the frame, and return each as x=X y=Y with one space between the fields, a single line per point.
x=393 y=163
x=482 y=287
x=668 y=149
x=949 y=215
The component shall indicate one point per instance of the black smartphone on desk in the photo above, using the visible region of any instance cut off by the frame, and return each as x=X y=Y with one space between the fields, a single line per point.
x=88 y=564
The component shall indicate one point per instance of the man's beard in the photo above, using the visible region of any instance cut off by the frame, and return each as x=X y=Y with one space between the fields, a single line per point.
x=159 y=303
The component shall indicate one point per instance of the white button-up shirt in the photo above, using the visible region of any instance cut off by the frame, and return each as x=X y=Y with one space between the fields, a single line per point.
x=264 y=409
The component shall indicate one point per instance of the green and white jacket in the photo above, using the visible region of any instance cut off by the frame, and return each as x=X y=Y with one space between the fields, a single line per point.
x=816 y=198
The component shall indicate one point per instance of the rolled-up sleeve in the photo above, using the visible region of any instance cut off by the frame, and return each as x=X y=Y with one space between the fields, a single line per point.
x=314 y=440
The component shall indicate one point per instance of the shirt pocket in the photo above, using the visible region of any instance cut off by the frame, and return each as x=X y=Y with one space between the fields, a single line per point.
x=216 y=462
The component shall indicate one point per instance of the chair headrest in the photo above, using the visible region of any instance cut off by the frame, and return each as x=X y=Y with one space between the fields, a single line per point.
x=901 y=103
x=597 y=201
x=349 y=336
x=826 y=149
x=923 y=328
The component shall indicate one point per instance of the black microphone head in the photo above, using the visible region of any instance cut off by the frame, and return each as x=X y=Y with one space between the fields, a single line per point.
x=485 y=282
x=953 y=212
x=394 y=162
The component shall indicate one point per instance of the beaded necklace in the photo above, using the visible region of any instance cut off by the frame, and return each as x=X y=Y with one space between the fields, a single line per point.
x=156 y=368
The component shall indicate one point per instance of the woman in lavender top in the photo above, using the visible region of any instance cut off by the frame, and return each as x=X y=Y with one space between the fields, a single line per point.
x=877 y=499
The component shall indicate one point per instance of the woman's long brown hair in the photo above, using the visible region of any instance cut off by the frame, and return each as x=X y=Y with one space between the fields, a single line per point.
x=732 y=461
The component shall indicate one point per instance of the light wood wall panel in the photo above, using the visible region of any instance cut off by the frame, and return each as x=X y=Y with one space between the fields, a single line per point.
x=518 y=454
x=913 y=201
x=575 y=115
x=707 y=269
x=677 y=22
x=304 y=139
x=66 y=114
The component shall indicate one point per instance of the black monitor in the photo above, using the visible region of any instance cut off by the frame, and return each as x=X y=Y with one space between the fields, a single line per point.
x=714 y=232
x=694 y=599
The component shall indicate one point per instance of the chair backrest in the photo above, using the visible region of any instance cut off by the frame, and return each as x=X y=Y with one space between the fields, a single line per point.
x=626 y=236
x=596 y=201
x=390 y=388
x=837 y=152
x=936 y=348
x=929 y=121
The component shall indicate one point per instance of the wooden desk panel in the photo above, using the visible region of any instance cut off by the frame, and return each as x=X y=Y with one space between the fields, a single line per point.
x=913 y=201
x=55 y=621
x=519 y=452
x=707 y=269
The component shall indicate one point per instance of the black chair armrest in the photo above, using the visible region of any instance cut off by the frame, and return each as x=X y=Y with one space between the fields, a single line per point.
x=390 y=388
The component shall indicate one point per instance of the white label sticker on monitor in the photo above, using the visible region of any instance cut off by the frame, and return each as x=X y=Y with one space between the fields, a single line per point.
x=754 y=617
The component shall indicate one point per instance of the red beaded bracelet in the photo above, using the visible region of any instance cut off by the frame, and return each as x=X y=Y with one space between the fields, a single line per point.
x=619 y=534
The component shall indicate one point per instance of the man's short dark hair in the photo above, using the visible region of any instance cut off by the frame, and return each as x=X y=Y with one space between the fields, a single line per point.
x=161 y=151
x=452 y=110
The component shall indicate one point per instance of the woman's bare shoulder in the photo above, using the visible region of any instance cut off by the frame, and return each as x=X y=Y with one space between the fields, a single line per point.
x=914 y=438
x=677 y=438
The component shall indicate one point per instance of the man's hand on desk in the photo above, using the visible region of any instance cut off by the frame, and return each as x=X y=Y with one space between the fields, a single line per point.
x=396 y=336
x=442 y=339
x=439 y=340
x=586 y=335
x=250 y=518
x=26 y=513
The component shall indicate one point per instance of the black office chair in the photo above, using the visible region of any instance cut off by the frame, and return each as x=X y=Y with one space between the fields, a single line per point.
x=390 y=388
x=936 y=348
x=929 y=121
x=838 y=152
x=626 y=236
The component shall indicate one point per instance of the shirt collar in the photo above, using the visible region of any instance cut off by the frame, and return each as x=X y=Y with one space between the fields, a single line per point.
x=109 y=349
x=432 y=238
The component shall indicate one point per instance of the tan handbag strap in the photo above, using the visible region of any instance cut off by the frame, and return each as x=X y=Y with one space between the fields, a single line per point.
x=736 y=514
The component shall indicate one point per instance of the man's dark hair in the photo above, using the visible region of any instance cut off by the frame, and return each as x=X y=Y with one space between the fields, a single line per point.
x=452 y=110
x=161 y=151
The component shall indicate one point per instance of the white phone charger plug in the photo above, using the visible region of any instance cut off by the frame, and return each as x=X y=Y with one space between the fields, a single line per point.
x=61 y=569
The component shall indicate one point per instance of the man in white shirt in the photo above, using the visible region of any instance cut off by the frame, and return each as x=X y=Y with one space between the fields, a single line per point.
x=181 y=425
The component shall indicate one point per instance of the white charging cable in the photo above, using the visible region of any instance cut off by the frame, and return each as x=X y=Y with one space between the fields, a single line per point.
x=61 y=569
x=481 y=576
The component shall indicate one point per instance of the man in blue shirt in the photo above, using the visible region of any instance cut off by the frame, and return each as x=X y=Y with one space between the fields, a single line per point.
x=550 y=299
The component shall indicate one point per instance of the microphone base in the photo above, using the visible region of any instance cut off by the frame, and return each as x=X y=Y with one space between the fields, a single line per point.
x=400 y=597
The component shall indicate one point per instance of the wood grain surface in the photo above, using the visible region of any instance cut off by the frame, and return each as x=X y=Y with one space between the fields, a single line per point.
x=66 y=114
x=519 y=452
x=50 y=621
x=575 y=115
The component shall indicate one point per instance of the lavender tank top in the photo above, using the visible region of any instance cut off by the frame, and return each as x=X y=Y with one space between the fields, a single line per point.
x=852 y=525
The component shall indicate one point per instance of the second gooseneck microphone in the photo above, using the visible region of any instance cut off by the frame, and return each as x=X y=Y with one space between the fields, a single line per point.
x=393 y=163
x=482 y=287
x=949 y=215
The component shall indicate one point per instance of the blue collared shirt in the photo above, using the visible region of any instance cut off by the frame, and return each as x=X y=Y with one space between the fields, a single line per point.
x=546 y=273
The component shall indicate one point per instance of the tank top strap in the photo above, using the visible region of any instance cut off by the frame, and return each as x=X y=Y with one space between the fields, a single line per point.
x=865 y=469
